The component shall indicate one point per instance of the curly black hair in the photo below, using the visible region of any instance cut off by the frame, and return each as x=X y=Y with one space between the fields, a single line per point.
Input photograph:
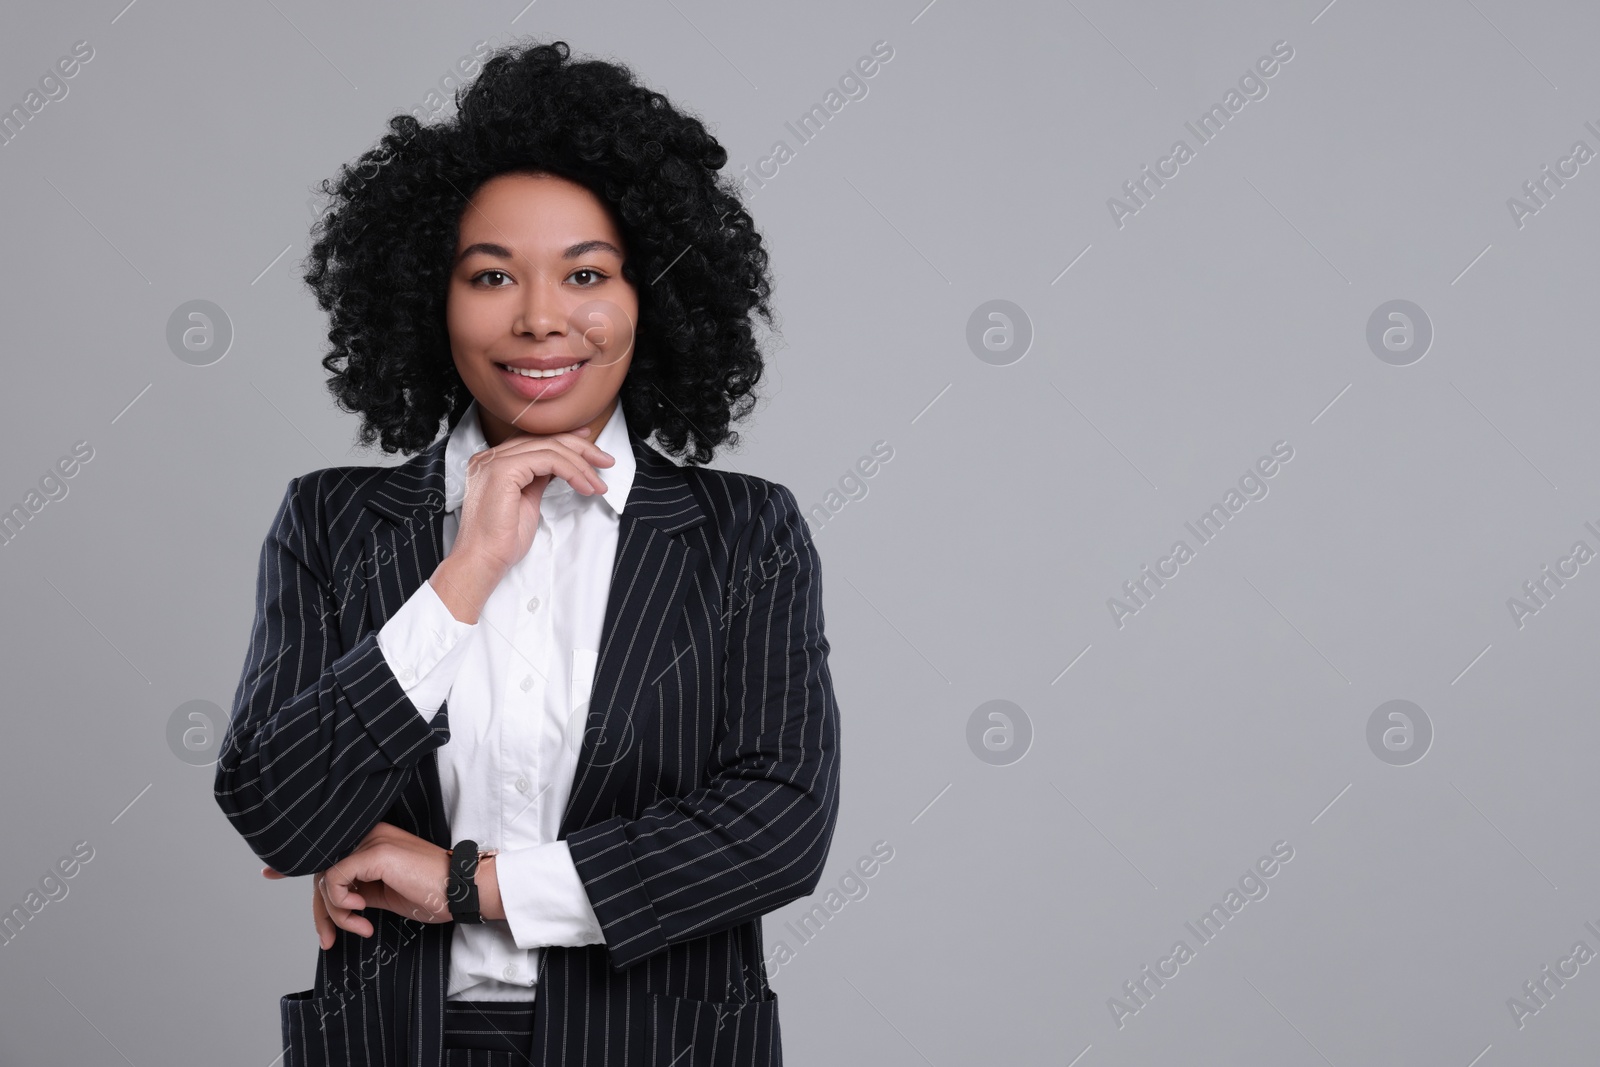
x=381 y=262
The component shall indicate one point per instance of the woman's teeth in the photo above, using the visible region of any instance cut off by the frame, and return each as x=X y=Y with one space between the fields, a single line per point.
x=531 y=373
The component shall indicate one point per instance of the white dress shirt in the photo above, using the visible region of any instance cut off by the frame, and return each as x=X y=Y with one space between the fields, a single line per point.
x=518 y=681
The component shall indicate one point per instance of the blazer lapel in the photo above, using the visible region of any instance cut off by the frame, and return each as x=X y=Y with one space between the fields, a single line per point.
x=650 y=580
x=400 y=555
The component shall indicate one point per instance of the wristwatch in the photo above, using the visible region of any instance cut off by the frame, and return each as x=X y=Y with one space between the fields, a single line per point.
x=462 y=887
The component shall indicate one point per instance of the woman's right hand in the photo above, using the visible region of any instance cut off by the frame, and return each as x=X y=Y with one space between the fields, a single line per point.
x=500 y=510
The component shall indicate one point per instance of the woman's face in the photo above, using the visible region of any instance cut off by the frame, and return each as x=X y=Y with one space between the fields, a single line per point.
x=538 y=286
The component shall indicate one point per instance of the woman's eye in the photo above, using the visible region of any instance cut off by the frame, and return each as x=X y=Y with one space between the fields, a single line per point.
x=487 y=273
x=596 y=275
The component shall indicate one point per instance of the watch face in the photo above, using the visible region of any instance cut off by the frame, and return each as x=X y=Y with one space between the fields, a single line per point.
x=462 y=889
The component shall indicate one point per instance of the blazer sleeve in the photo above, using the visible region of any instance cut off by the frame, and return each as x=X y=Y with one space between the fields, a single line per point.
x=756 y=835
x=321 y=739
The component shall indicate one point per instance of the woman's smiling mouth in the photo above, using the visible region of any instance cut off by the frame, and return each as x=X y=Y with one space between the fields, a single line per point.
x=531 y=383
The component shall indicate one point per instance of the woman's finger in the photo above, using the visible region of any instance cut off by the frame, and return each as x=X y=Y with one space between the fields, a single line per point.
x=563 y=454
x=339 y=882
x=581 y=444
x=580 y=441
x=327 y=932
x=343 y=918
x=569 y=464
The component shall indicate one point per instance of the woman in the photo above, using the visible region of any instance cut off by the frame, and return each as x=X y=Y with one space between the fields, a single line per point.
x=548 y=716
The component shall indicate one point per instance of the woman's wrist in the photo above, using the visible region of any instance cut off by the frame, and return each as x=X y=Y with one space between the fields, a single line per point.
x=463 y=585
x=488 y=880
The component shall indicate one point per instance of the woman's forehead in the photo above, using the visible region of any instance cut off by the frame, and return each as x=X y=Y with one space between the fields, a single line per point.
x=540 y=215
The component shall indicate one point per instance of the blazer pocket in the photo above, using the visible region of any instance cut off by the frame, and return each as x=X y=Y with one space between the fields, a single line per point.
x=322 y=1031
x=681 y=1032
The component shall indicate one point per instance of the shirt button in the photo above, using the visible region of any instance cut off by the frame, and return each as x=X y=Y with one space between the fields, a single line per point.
x=527 y=682
x=533 y=605
x=522 y=785
x=510 y=972
x=406 y=674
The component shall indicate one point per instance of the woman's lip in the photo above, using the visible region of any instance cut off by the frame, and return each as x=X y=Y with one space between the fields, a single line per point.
x=541 y=388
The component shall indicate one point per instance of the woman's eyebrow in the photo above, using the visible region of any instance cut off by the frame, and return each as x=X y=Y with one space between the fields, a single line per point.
x=489 y=248
x=583 y=248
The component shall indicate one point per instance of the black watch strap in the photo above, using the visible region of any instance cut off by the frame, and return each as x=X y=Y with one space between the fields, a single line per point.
x=462 y=889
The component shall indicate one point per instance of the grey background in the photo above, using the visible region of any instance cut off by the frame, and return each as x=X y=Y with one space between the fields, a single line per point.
x=1229 y=314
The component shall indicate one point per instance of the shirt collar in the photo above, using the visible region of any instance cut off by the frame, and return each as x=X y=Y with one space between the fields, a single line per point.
x=467 y=440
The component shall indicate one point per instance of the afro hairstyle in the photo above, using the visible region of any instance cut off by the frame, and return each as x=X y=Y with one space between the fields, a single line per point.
x=383 y=250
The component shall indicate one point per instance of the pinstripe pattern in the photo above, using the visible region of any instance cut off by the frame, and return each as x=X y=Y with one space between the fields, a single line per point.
x=705 y=795
x=471 y=1057
x=493 y=1031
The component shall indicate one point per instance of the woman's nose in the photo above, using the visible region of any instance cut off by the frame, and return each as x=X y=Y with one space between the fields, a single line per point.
x=543 y=308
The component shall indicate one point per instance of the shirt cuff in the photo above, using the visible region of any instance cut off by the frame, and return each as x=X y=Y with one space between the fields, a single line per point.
x=424 y=644
x=544 y=899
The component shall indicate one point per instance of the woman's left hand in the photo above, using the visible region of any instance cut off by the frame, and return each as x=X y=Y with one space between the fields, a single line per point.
x=390 y=869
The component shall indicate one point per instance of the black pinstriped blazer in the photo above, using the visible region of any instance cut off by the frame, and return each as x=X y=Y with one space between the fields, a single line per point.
x=706 y=789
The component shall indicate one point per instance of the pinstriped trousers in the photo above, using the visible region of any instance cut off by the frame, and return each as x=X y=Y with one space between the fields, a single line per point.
x=488 y=1033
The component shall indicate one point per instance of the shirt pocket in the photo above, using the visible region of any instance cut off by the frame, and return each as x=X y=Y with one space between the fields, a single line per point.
x=584 y=662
